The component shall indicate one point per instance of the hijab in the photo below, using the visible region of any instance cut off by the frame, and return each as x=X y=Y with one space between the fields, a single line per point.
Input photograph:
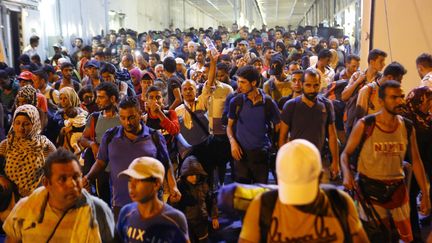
x=413 y=102
x=24 y=156
x=72 y=96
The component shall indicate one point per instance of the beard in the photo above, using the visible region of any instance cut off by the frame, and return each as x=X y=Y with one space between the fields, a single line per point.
x=398 y=110
x=106 y=108
x=311 y=96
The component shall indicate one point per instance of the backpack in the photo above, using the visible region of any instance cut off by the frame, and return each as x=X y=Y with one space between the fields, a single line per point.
x=164 y=159
x=350 y=111
x=369 y=125
x=334 y=94
x=338 y=204
x=269 y=104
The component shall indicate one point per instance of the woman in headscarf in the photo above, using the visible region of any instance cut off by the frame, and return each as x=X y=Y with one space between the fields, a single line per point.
x=418 y=105
x=28 y=95
x=25 y=150
x=70 y=104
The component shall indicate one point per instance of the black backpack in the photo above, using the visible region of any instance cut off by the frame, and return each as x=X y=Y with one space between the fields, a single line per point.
x=155 y=138
x=269 y=104
x=338 y=204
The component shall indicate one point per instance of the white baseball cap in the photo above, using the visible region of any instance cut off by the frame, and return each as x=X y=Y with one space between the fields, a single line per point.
x=180 y=60
x=145 y=167
x=298 y=167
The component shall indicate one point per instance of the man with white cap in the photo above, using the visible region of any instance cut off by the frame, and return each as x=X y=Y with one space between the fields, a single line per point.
x=147 y=218
x=300 y=210
x=180 y=68
x=244 y=48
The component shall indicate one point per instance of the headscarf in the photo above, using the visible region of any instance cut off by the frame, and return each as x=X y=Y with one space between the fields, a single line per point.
x=137 y=74
x=413 y=102
x=24 y=156
x=29 y=94
x=72 y=96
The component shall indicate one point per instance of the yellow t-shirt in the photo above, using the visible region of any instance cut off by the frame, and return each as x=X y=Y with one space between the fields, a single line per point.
x=289 y=224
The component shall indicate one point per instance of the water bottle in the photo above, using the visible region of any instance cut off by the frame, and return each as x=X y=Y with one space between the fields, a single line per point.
x=210 y=46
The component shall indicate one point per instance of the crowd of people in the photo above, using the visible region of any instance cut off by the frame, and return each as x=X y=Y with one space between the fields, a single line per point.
x=129 y=139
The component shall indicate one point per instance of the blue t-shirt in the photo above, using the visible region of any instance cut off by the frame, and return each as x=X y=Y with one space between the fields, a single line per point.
x=121 y=151
x=306 y=122
x=167 y=226
x=252 y=125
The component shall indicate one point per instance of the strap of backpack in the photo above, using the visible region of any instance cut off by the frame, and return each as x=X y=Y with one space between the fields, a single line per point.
x=369 y=125
x=268 y=203
x=111 y=134
x=159 y=150
x=340 y=209
x=93 y=122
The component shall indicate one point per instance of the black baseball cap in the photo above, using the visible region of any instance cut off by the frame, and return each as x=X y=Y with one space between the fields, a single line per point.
x=276 y=64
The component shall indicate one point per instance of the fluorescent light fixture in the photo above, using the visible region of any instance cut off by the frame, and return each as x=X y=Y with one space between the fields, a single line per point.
x=210 y=2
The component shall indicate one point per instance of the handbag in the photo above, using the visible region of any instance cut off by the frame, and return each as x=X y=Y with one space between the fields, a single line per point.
x=183 y=147
x=377 y=190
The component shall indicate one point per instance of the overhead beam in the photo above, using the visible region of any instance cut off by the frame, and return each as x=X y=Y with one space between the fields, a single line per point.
x=260 y=12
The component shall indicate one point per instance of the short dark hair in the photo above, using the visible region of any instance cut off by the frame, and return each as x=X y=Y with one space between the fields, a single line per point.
x=66 y=64
x=48 y=68
x=153 y=89
x=60 y=156
x=225 y=57
x=385 y=85
x=41 y=74
x=34 y=39
x=298 y=72
x=266 y=49
x=395 y=69
x=156 y=56
x=254 y=60
x=249 y=72
x=110 y=89
x=375 y=53
x=129 y=57
x=84 y=90
x=311 y=72
x=87 y=48
x=324 y=53
x=425 y=60
x=352 y=57
x=100 y=53
x=201 y=49
x=223 y=67
x=170 y=64
x=129 y=102
x=108 y=68
x=36 y=58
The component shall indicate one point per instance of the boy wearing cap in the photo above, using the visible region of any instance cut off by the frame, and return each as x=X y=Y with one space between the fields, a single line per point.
x=244 y=49
x=93 y=77
x=147 y=218
x=302 y=211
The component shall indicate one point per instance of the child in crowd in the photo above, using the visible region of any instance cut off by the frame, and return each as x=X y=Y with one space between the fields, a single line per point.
x=74 y=127
x=197 y=200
